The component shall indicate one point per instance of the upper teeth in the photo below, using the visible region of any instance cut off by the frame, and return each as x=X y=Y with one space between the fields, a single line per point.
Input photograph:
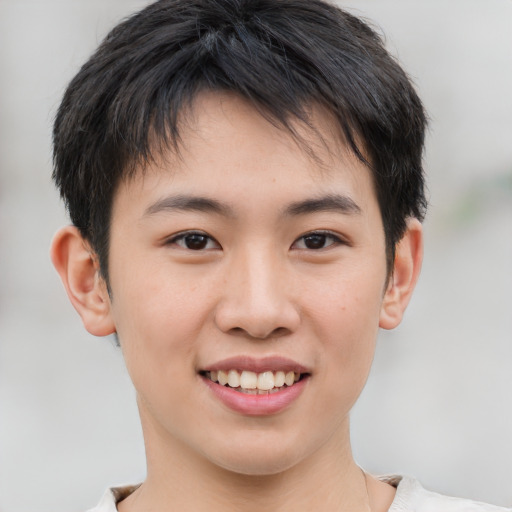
x=247 y=380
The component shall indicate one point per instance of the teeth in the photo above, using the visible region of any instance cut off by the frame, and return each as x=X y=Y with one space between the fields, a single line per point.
x=258 y=391
x=248 y=380
x=233 y=379
x=222 y=377
x=289 y=378
x=254 y=383
x=265 y=381
x=279 y=378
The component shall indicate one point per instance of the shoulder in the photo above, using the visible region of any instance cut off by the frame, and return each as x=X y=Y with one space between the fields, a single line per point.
x=412 y=497
x=112 y=497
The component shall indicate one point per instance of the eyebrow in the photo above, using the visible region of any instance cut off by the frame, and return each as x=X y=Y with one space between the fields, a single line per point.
x=328 y=203
x=189 y=203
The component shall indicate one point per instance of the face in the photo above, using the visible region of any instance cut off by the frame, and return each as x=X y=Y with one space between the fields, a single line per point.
x=249 y=261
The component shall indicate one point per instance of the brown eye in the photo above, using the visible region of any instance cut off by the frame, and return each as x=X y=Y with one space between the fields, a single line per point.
x=194 y=241
x=316 y=241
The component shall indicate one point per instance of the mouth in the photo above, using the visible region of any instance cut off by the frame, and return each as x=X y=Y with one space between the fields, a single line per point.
x=252 y=383
x=256 y=387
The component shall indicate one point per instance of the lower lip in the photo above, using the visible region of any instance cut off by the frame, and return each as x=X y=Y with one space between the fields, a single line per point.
x=257 y=405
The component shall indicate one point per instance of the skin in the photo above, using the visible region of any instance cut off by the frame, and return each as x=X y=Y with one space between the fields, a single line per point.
x=255 y=286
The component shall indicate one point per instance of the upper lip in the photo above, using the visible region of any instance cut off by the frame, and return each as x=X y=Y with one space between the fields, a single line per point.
x=257 y=365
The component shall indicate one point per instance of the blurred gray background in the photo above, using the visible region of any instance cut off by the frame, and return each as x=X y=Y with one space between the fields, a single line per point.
x=438 y=404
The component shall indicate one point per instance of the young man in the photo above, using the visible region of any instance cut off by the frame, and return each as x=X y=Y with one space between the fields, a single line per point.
x=245 y=184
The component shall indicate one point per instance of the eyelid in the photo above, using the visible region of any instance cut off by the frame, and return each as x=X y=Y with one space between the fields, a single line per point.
x=337 y=239
x=173 y=239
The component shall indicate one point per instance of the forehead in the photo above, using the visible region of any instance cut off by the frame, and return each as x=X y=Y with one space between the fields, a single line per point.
x=226 y=119
x=229 y=149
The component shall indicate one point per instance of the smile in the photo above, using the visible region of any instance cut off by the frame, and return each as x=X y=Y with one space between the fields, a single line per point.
x=253 y=383
x=256 y=386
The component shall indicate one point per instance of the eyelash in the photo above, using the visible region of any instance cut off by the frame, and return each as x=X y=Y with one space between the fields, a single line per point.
x=181 y=237
x=203 y=238
x=335 y=240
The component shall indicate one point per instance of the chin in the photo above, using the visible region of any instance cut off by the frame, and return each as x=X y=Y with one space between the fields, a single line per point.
x=257 y=466
x=258 y=459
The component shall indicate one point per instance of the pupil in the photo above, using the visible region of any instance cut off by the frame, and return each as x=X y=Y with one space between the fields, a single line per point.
x=315 y=241
x=196 y=242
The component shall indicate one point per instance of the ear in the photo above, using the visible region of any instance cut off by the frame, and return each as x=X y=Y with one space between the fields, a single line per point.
x=405 y=273
x=78 y=268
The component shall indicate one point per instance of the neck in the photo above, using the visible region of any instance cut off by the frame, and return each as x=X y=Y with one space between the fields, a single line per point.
x=180 y=479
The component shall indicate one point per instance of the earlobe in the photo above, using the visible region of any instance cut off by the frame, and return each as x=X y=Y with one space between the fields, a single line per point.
x=79 y=270
x=406 y=270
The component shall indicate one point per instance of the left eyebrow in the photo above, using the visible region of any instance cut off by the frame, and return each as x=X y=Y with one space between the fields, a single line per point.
x=328 y=203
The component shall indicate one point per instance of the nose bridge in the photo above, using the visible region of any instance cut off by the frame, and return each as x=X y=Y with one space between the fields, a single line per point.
x=256 y=297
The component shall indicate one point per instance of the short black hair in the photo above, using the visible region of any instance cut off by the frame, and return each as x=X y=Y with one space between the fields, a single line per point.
x=280 y=55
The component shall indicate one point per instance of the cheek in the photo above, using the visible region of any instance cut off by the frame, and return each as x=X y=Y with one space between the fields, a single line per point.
x=158 y=319
x=158 y=335
x=159 y=300
x=346 y=323
x=348 y=334
x=349 y=304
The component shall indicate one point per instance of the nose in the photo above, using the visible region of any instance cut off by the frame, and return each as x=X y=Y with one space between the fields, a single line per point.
x=257 y=298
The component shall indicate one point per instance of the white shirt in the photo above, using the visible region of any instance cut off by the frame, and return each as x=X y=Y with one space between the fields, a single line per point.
x=410 y=497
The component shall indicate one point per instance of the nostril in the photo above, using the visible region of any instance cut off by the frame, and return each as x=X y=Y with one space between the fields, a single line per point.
x=279 y=332
x=260 y=335
x=256 y=319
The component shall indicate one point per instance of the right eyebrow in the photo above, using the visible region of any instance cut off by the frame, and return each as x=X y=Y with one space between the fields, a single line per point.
x=189 y=203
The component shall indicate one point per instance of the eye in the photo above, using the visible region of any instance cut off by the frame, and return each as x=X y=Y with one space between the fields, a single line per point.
x=194 y=241
x=317 y=240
